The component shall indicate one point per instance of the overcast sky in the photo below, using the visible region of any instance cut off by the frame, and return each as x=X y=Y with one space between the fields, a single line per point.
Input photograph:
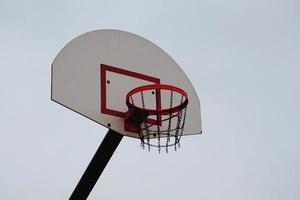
x=243 y=58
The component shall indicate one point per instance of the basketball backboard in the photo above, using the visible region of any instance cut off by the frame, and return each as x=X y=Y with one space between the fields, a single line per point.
x=94 y=72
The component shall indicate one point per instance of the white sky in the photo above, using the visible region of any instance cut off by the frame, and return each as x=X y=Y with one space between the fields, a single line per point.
x=243 y=58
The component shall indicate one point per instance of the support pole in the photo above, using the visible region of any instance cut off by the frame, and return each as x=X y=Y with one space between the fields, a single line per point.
x=97 y=165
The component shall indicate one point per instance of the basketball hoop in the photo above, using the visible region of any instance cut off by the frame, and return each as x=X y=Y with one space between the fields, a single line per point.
x=95 y=75
x=155 y=119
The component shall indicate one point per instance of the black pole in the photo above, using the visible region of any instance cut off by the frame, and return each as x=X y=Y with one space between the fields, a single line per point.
x=97 y=165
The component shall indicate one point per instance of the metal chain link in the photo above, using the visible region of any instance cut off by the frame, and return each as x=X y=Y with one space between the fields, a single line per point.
x=143 y=102
x=158 y=135
x=145 y=123
x=182 y=126
x=170 y=120
x=179 y=115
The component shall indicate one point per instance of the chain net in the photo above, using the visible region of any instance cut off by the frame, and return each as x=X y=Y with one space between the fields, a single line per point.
x=160 y=130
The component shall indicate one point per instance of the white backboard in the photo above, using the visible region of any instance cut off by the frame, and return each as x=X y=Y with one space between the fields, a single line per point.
x=93 y=73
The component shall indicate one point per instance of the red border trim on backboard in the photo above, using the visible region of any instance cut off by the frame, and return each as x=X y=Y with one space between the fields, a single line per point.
x=104 y=68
